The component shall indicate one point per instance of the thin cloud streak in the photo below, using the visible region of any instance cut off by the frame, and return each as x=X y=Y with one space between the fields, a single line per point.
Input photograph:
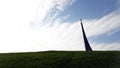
x=103 y=25
x=40 y=35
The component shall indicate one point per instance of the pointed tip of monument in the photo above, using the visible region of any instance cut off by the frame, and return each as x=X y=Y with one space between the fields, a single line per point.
x=81 y=20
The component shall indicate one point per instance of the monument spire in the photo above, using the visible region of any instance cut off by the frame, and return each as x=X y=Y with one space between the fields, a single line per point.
x=87 y=45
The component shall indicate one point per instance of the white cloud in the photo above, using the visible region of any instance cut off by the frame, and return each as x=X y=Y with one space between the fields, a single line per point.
x=46 y=7
x=15 y=33
x=17 y=36
x=62 y=4
x=104 y=25
x=106 y=46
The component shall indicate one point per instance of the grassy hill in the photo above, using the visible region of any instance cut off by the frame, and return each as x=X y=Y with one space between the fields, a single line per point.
x=61 y=59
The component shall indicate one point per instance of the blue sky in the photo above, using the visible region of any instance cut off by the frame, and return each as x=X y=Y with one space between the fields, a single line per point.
x=89 y=9
x=92 y=9
x=40 y=25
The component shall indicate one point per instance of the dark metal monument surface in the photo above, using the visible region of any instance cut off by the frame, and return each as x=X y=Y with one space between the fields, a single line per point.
x=87 y=45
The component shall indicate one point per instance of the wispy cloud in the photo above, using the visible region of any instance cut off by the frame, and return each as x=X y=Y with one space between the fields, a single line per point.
x=106 y=47
x=104 y=25
x=16 y=34
x=19 y=34
x=48 y=10
x=62 y=4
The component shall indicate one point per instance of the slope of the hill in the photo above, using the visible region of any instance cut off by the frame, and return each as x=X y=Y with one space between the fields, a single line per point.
x=61 y=59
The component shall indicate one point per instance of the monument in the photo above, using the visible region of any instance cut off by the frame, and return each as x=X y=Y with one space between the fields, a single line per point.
x=87 y=45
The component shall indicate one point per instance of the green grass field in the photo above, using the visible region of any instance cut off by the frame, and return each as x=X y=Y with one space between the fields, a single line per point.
x=61 y=59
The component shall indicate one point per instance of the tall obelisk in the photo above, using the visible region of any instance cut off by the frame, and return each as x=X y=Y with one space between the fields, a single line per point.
x=87 y=45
